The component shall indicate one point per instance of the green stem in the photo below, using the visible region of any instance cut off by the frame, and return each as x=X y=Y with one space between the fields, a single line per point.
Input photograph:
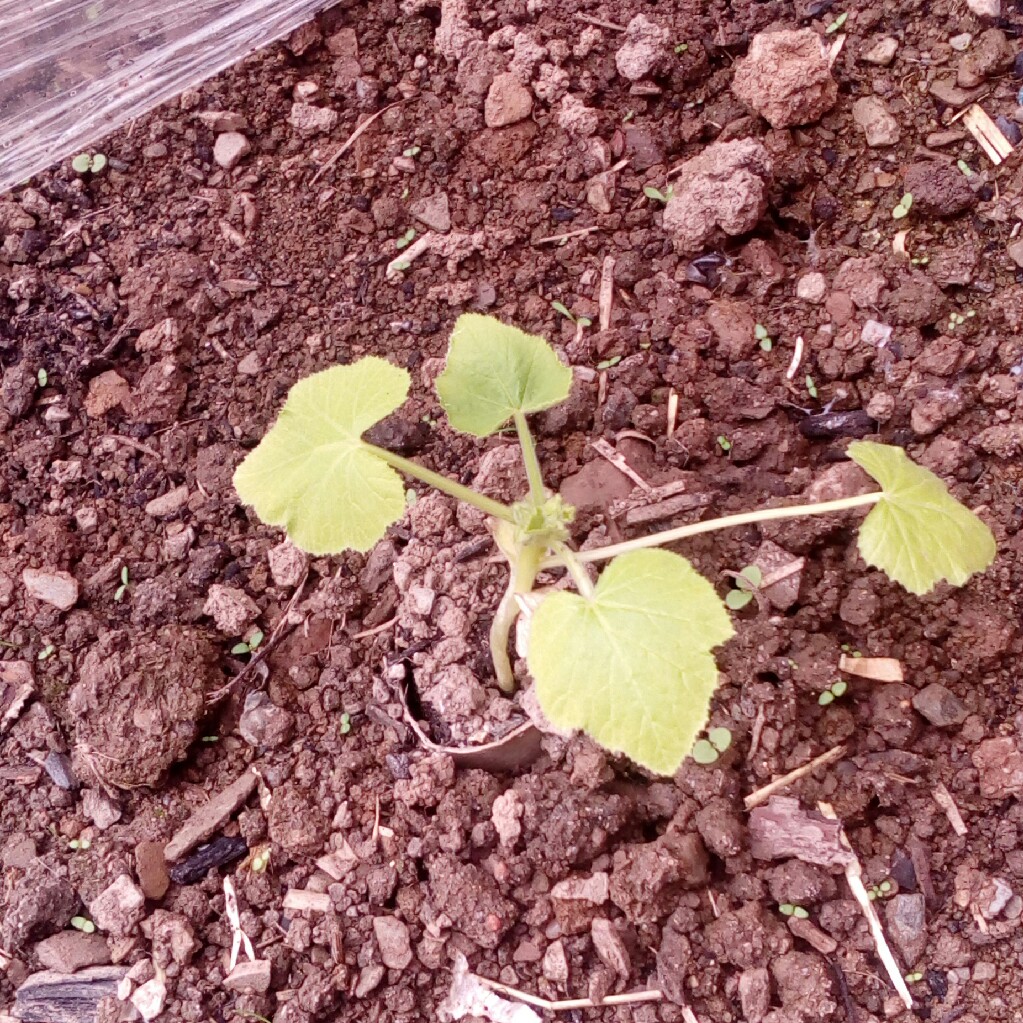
x=573 y=562
x=523 y=574
x=727 y=522
x=533 y=472
x=442 y=483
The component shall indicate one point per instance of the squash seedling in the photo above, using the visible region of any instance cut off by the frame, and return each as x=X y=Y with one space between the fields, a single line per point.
x=765 y=339
x=626 y=658
x=707 y=751
x=88 y=163
x=880 y=891
x=657 y=195
x=579 y=321
x=83 y=924
x=747 y=587
x=250 y=645
x=793 y=909
x=833 y=692
x=902 y=207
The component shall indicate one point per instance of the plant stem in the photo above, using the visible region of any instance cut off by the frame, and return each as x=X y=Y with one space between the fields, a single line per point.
x=533 y=472
x=573 y=562
x=728 y=521
x=524 y=569
x=442 y=483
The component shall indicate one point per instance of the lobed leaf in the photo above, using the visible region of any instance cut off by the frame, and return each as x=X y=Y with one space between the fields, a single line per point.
x=313 y=475
x=631 y=666
x=918 y=534
x=494 y=371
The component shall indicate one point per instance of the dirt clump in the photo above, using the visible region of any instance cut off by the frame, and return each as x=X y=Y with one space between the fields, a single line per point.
x=938 y=189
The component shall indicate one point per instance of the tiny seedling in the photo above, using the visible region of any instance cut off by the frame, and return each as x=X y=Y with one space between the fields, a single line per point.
x=248 y=646
x=42 y=377
x=811 y=386
x=657 y=195
x=681 y=48
x=958 y=319
x=46 y=653
x=260 y=860
x=706 y=751
x=724 y=443
x=837 y=23
x=793 y=909
x=609 y=363
x=922 y=260
x=346 y=723
x=848 y=648
x=79 y=844
x=122 y=590
x=836 y=690
x=579 y=321
x=210 y=740
x=406 y=239
x=760 y=333
x=747 y=586
x=627 y=657
x=412 y=151
x=880 y=891
x=86 y=163
x=914 y=978
x=965 y=168
x=83 y=924
x=903 y=206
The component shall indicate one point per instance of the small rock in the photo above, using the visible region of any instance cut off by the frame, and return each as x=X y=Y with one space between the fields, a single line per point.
x=287 y=563
x=222 y=120
x=755 y=994
x=155 y=151
x=940 y=706
x=812 y=287
x=938 y=189
x=58 y=767
x=988 y=55
x=168 y=504
x=906 y=916
x=506 y=816
x=809 y=932
x=1000 y=766
x=59 y=589
x=38 y=904
x=786 y=78
x=961 y=42
x=643 y=48
x=250 y=365
x=393 y=940
x=879 y=127
x=508 y=101
x=231 y=609
x=149 y=998
x=882 y=51
x=106 y=391
x=71 y=951
x=151 y=868
x=433 y=211
x=593 y=889
x=249 y=976
x=263 y=723
x=119 y=909
x=230 y=148
x=308 y=120
x=1015 y=251
x=369 y=980
x=985 y=8
x=610 y=947
x=935 y=409
x=555 y=964
x=725 y=188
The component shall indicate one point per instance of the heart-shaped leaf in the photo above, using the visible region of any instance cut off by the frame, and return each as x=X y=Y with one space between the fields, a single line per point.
x=631 y=666
x=313 y=475
x=918 y=534
x=494 y=371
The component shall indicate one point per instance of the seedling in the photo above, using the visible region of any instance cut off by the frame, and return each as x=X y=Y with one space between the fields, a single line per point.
x=958 y=319
x=627 y=658
x=248 y=646
x=123 y=588
x=79 y=843
x=792 y=909
x=657 y=195
x=42 y=377
x=609 y=363
x=83 y=924
x=747 y=586
x=914 y=978
x=346 y=723
x=902 y=207
x=836 y=690
x=811 y=386
x=260 y=859
x=848 y=648
x=706 y=751
x=46 y=653
x=86 y=163
x=965 y=168
x=406 y=239
x=880 y=891
x=837 y=23
x=579 y=321
x=760 y=333
x=412 y=151
x=724 y=443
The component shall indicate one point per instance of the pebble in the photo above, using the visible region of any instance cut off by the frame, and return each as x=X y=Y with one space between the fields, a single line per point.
x=594 y=889
x=433 y=211
x=369 y=980
x=103 y=811
x=812 y=287
x=985 y=8
x=988 y=55
x=643 y=48
x=906 y=916
x=156 y=151
x=151 y=868
x=879 y=127
x=58 y=767
x=71 y=951
x=609 y=946
x=59 y=589
x=263 y=723
x=168 y=504
x=287 y=564
x=119 y=908
x=1015 y=251
x=508 y=101
x=1010 y=129
x=106 y=391
x=882 y=53
x=555 y=964
x=308 y=120
x=1000 y=767
x=230 y=148
x=940 y=706
x=393 y=941
x=231 y=609
x=222 y=120
x=755 y=994
x=249 y=976
x=149 y=998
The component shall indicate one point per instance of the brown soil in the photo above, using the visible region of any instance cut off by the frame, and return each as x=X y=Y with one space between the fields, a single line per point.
x=172 y=303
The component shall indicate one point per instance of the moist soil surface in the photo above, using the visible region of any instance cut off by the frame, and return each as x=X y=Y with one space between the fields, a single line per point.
x=154 y=316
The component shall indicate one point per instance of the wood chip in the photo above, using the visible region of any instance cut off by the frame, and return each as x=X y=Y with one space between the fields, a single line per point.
x=209 y=817
x=605 y=450
x=666 y=509
x=302 y=901
x=672 y=411
x=944 y=799
x=877 y=669
x=783 y=829
x=607 y=289
x=988 y=135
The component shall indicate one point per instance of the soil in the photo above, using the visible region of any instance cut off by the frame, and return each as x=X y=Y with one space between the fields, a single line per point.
x=152 y=319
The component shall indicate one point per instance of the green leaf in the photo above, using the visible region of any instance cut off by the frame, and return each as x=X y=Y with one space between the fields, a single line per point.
x=631 y=665
x=494 y=371
x=918 y=534
x=826 y=698
x=654 y=193
x=560 y=307
x=81 y=163
x=720 y=739
x=839 y=688
x=736 y=600
x=752 y=575
x=704 y=752
x=313 y=475
x=760 y=332
x=240 y=648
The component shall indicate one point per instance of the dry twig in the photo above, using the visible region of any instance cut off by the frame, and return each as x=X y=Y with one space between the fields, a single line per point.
x=652 y=995
x=577 y=233
x=944 y=799
x=761 y=795
x=351 y=140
